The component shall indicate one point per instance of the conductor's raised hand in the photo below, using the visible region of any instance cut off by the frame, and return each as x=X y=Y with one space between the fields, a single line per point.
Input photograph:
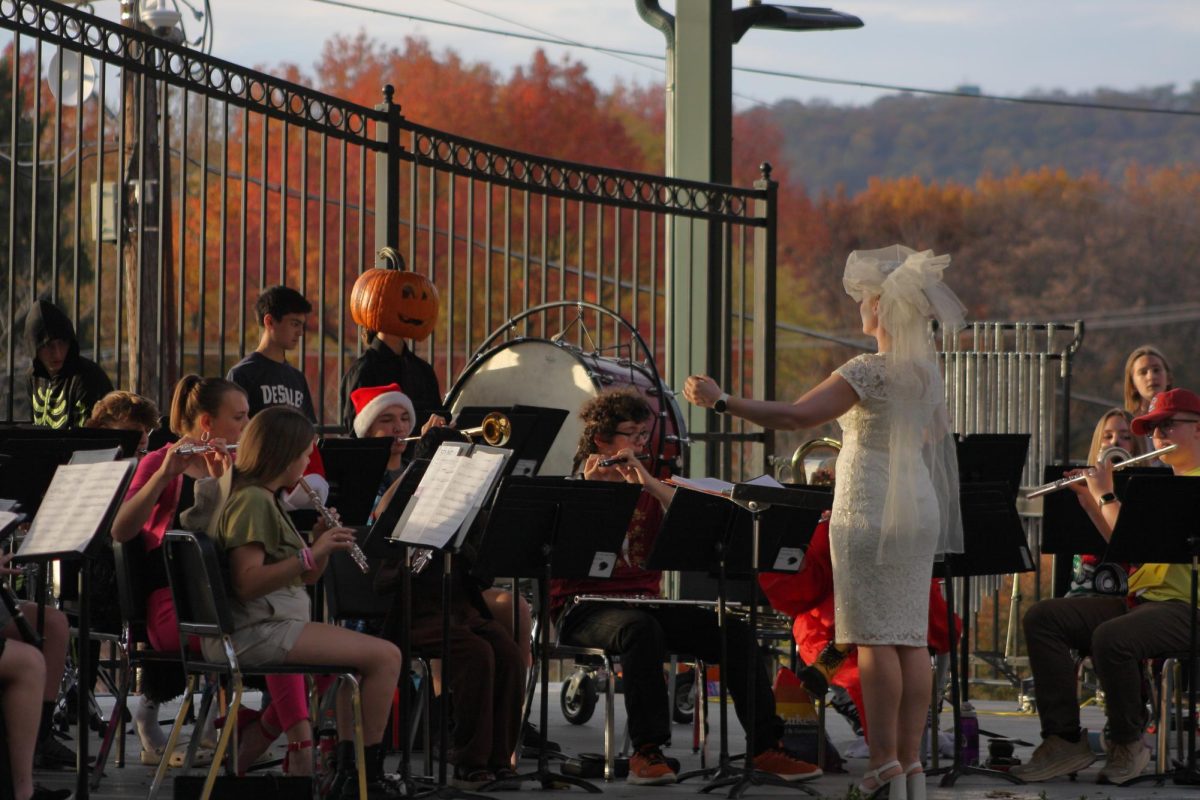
x=701 y=390
x=331 y=540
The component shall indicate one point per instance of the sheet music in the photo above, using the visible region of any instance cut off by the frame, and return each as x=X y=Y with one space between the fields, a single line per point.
x=450 y=494
x=710 y=485
x=79 y=497
x=95 y=456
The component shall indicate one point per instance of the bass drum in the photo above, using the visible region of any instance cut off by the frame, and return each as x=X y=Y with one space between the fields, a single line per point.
x=537 y=372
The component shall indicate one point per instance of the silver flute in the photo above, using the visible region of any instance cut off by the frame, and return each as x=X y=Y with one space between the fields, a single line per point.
x=332 y=521
x=1054 y=486
x=197 y=449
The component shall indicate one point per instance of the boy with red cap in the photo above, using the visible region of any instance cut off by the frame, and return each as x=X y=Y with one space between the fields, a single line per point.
x=1118 y=632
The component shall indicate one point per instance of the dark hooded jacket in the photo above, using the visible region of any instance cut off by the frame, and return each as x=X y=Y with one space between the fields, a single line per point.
x=66 y=399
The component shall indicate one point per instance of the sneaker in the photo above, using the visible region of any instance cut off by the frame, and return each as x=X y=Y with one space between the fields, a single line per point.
x=507 y=779
x=1056 y=757
x=648 y=767
x=42 y=793
x=151 y=756
x=471 y=778
x=1125 y=762
x=781 y=764
x=53 y=754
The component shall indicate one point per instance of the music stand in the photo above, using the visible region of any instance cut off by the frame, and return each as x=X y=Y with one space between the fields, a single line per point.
x=80 y=505
x=534 y=429
x=128 y=441
x=705 y=532
x=443 y=470
x=1170 y=507
x=378 y=544
x=40 y=454
x=994 y=544
x=757 y=499
x=549 y=528
x=354 y=468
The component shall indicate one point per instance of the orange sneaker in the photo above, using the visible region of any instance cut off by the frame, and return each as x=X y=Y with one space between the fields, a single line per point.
x=648 y=767
x=781 y=765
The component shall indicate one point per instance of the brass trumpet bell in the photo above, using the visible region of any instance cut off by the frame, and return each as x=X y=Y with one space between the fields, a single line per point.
x=495 y=430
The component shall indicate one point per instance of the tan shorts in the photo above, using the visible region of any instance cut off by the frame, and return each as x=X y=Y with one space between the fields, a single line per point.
x=266 y=628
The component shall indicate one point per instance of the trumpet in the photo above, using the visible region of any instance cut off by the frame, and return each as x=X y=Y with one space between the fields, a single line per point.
x=197 y=449
x=495 y=430
x=332 y=521
x=1105 y=455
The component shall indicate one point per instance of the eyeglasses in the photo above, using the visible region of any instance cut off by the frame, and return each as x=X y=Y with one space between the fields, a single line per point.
x=1165 y=426
x=637 y=436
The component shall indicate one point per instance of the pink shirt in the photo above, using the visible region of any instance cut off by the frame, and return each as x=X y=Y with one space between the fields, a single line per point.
x=162 y=517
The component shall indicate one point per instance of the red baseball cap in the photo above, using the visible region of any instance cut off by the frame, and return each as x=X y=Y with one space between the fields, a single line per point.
x=1165 y=405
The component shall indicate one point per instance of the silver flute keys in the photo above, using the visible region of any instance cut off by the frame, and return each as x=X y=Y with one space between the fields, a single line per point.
x=332 y=521
x=196 y=449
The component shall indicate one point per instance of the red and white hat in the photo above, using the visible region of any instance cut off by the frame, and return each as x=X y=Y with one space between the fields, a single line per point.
x=370 y=402
x=1164 y=405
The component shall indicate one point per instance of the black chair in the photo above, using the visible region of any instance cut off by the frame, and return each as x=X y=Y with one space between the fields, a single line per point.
x=202 y=608
x=350 y=595
x=132 y=646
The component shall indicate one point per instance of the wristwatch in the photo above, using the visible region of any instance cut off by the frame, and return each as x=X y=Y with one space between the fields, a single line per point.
x=722 y=403
x=1106 y=498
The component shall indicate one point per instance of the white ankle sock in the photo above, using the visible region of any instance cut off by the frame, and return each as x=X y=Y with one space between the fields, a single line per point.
x=145 y=719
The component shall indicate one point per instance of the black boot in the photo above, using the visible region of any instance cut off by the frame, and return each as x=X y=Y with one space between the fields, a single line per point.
x=378 y=787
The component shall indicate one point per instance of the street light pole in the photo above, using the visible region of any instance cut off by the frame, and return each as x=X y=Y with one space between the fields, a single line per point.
x=699 y=146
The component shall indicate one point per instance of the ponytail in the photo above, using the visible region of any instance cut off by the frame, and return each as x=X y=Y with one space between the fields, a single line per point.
x=195 y=396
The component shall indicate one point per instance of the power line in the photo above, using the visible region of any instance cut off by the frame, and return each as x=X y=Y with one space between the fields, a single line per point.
x=616 y=51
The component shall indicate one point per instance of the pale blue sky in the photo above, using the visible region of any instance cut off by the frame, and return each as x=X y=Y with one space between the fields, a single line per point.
x=1004 y=47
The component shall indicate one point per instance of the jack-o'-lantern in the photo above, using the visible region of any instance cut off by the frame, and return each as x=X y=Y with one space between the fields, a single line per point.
x=395 y=301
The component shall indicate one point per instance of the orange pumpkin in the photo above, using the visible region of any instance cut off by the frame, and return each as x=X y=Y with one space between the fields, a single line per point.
x=396 y=302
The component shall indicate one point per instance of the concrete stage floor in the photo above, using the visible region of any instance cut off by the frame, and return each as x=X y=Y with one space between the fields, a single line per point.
x=995 y=717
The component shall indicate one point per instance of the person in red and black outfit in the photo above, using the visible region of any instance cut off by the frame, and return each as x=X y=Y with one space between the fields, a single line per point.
x=617 y=425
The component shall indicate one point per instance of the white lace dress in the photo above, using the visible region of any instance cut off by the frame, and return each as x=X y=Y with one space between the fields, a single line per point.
x=883 y=604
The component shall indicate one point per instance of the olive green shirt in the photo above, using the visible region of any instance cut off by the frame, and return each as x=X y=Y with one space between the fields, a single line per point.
x=252 y=516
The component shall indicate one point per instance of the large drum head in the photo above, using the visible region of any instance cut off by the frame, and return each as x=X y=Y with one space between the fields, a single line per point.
x=532 y=372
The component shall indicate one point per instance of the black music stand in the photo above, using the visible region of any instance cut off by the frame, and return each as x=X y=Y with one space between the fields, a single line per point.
x=35 y=454
x=758 y=500
x=534 y=429
x=378 y=545
x=994 y=544
x=58 y=534
x=1170 y=507
x=1067 y=530
x=461 y=450
x=549 y=528
x=706 y=533
x=354 y=468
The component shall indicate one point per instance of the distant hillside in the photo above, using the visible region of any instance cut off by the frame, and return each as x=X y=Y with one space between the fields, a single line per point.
x=959 y=139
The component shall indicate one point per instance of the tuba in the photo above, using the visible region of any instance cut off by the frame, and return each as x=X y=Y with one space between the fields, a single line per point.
x=807 y=465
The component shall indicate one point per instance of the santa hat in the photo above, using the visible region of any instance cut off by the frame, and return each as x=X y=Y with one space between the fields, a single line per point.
x=370 y=402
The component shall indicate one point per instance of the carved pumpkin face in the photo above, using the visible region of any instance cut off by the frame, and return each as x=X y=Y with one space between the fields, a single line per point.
x=400 y=303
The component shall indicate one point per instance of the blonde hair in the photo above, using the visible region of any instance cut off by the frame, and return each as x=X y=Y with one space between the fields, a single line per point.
x=1135 y=449
x=195 y=396
x=1133 y=400
x=275 y=438
x=118 y=407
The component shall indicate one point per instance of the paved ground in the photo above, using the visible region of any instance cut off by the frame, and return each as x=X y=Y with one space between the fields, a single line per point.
x=994 y=717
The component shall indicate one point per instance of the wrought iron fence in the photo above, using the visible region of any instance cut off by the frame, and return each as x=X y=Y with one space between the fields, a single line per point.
x=155 y=198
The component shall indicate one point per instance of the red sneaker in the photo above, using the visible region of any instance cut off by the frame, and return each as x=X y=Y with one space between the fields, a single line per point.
x=648 y=767
x=781 y=765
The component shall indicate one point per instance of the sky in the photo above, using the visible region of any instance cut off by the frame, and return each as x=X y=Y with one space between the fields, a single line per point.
x=1006 y=47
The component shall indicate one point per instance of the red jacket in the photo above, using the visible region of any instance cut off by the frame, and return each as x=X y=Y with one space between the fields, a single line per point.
x=807 y=596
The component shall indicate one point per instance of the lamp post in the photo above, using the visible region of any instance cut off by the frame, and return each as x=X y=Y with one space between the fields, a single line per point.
x=145 y=212
x=699 y=146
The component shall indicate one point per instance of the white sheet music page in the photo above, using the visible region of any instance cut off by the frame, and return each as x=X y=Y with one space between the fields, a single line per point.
x=74 y=506
x=451 y=492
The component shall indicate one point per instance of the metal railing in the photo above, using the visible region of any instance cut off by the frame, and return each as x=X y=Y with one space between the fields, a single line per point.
x=156 y=207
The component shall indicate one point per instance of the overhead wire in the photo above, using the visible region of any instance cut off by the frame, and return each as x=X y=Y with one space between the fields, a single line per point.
x=563 y=42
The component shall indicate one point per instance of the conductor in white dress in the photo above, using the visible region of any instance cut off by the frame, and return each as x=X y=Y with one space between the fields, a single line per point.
x=895 y=505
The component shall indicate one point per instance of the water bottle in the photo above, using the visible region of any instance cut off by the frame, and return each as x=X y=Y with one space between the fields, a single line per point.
x=970 y=734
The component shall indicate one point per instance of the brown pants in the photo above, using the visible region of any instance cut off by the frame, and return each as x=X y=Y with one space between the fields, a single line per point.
x=1118 y=638
x=487 y=679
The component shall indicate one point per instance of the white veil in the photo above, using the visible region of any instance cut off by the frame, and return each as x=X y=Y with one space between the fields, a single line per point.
x=910 y=290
